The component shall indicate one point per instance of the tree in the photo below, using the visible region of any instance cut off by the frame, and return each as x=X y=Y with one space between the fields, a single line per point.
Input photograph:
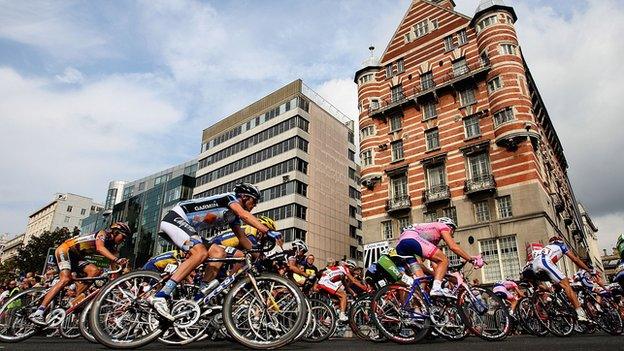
x=31 y=257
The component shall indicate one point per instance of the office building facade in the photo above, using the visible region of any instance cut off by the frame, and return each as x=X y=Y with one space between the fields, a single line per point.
x=299 y=150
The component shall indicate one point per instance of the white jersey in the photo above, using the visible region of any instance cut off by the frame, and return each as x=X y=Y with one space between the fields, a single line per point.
x=333 y=276
x=554 y=252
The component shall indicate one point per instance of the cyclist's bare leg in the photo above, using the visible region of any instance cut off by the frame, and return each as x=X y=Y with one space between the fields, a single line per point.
x=90 y=270
x=565 y=284
x=65 y=279
x=211 y=272
x=342 y=298
x=197 y=255
x=442 y=263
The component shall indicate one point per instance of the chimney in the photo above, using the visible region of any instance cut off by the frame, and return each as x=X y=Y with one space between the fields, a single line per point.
x=604 y=251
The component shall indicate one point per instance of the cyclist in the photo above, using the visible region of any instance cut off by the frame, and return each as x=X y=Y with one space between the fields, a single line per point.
x=331 y=282
x=422 y=240
x=183 y=223
x=159 y=262
x=297 y=259
x=508 y=290
x=70 y=258
x=546 y=261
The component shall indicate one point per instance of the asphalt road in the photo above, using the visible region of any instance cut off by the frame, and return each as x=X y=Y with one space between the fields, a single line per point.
x=523 y=343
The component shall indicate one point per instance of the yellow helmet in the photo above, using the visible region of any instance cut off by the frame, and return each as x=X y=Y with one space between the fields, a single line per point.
x=392 y=253
x=267 y=221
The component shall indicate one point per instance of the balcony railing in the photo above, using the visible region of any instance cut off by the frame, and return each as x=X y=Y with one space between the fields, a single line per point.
x=479 y=184
x=558 y=203
x=460 y=71
x=437 y=193
x=427 y=84
x=398 y=203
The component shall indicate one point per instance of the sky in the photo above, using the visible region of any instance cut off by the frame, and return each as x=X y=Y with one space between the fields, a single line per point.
x=115 y=90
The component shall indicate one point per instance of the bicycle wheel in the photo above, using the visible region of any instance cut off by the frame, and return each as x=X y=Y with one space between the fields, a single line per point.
x=83 y=324
x=14 y=323
x=528 y=318
x=560 y=316
x=266 y=315
x=360 y=320
x=70 y=328
x=447 y=320
x=121 y=317
x=484 y=313
x=325 y=321
x=310 y=323
x=608 y=318
x=401 y=325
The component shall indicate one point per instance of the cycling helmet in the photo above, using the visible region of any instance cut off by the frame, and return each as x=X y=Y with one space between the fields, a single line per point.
x=350 y=263
x=555 y=239
x=121 y=227
x=448 y=222
x=268 y=222
x=247 y=189
x=393 y=253
x=299 y=245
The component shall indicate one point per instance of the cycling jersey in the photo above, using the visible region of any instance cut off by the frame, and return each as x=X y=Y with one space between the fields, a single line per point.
x=182 y=223
x=421 y=239
x=502 y=289
x=70 y=254
x=158 y=263
x=230 y=239
x=545 y=261
x=331 y=279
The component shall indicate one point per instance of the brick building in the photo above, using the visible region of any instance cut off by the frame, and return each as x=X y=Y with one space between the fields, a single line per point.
x=452 y=124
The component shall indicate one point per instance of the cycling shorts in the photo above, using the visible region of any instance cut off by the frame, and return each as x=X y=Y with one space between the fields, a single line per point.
x=543 y=265
x=330 y=287
x=416 y=246
x=177 y=228
x=69 y=259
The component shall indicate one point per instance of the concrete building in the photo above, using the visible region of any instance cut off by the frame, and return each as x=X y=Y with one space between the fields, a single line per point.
x=610 y=263
x=452 y=124
x=65 y=210
x=144 y=202
x=114 y=195
x=11 y=246
x=300 y=151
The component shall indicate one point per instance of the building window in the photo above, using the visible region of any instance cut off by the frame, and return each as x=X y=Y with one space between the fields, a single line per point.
x=367 y=158
x=507 y=49
x=426 y=80
x=503 y=116
x=397 y=93
x=471 y=126
x=397 y=150
x=448 y=43
x=351 y=155
x=451 y=213
x=291 y=234
x=501 y=254
x=494 y=84
x=354 y=193
x=386 y=230
x=454 y=259
x=67 y=218
x=504 y=206
x=374 y=104
x=389 y=70
x=70 y=208
x=400 y=66
x=352 y=211
x=467 y=97
x=404 y=222
x=421 y=28
x=366 y=78
x=479 y=166
x=436 y=176
x=367 y=131
x=395 y=123
x=433 y=139
x=429 y=110
x=486 y=22
x=352 y=231
x=430 y=216
x=460 y=67
x=83 y=211
x=434 y=23
x=462 y=37
x=482 y=211
x=485 y=60
x=398 y=188
x=141 y=186
x=408 y=37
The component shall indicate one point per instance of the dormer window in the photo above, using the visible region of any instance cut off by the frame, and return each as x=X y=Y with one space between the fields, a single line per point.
x=421 y=28
x=486 y=22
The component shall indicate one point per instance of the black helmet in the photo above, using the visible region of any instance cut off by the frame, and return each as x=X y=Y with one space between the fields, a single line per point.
x=121 y=227
x=247 y=189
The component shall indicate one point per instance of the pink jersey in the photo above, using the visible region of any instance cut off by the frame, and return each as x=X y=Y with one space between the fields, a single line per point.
x=507 y=284
x=431 y=232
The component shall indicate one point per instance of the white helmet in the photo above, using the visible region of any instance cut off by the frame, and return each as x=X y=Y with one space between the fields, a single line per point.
x=299 y=245
x=350 y=263
x=448 y=222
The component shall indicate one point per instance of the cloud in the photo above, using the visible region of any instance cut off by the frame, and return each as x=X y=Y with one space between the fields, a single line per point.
x=342 y=93
x=59 y=28
x=77 y=140
x=610 y=226
x=70 y=76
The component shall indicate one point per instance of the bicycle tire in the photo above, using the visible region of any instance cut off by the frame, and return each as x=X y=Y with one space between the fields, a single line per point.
x=70 y=328
x=360 y=309
x=324 y=328
x=384 y=298
x=21 y=312
x=485 y=299
x=102 y=336
x=239 y=335
x=83 y=324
